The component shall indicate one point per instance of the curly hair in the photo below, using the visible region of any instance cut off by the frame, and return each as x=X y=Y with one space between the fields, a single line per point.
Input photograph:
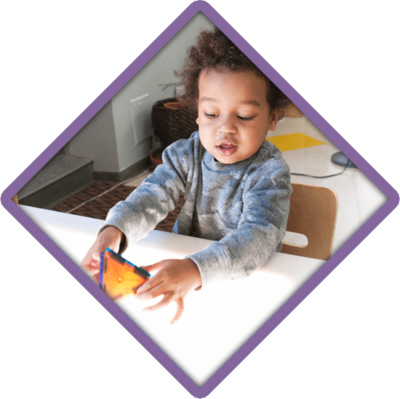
x=215 y=51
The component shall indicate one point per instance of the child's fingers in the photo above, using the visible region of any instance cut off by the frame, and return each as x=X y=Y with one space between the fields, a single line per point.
x=91 y=263
x=154 y=281
x=168 y=297
x=179 y=310
x=152 y=268
x=96 y=256
x=149 y=289
x=164 y=302
x=96 y=277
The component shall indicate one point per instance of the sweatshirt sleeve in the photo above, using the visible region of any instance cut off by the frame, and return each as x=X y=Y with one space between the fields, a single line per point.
x=259 y=233
x=150 y=203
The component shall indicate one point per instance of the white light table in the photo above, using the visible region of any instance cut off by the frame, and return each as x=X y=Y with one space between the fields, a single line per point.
x=217 y=319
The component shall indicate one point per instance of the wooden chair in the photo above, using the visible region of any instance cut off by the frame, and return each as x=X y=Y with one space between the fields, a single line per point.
x=313 y=211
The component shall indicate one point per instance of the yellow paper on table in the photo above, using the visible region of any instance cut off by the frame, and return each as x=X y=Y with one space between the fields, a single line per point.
x=294 y=141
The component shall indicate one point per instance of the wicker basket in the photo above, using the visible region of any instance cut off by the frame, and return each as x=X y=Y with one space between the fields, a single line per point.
x=171 y=124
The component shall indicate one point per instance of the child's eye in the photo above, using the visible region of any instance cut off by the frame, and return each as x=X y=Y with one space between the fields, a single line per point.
x=242 y=118
x=210 y=115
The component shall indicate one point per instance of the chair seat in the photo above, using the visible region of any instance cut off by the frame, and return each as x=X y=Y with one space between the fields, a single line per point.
x=313 y=212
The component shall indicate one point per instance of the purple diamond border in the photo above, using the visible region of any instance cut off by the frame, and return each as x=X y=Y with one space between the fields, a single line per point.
x=297 y=298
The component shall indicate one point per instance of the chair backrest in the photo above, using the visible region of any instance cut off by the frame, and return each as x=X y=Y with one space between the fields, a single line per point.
x=313 y=211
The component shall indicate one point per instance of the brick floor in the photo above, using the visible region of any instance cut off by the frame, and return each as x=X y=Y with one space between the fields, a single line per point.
x=99 y=207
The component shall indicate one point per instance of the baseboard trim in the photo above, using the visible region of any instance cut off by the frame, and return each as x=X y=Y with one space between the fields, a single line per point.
x=130 y=172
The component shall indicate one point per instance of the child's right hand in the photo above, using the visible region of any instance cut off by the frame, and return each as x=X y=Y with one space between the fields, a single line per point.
x=110 y=237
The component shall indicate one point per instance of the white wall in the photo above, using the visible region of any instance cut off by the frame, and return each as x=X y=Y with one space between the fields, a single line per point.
x=109 y=138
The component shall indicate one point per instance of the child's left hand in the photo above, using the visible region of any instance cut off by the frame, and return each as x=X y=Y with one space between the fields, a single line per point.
x=175 y=280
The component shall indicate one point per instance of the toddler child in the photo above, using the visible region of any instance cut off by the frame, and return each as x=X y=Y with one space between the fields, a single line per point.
x=236 y=184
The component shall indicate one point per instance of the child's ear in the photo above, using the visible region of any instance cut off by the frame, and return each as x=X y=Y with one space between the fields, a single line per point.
x=274 y=118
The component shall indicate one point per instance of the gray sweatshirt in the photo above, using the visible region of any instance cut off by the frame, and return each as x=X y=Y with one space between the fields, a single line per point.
x=242 y=206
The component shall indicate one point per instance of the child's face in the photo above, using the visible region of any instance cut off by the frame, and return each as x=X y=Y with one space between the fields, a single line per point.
x=234 y=115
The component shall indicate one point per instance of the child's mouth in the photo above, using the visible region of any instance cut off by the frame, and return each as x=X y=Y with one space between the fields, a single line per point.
x=227 y=149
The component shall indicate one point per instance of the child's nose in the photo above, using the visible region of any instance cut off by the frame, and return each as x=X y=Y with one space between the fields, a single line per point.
x=227 y=125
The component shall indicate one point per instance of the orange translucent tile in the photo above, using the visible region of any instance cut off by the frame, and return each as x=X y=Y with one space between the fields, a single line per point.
x=118 y=277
